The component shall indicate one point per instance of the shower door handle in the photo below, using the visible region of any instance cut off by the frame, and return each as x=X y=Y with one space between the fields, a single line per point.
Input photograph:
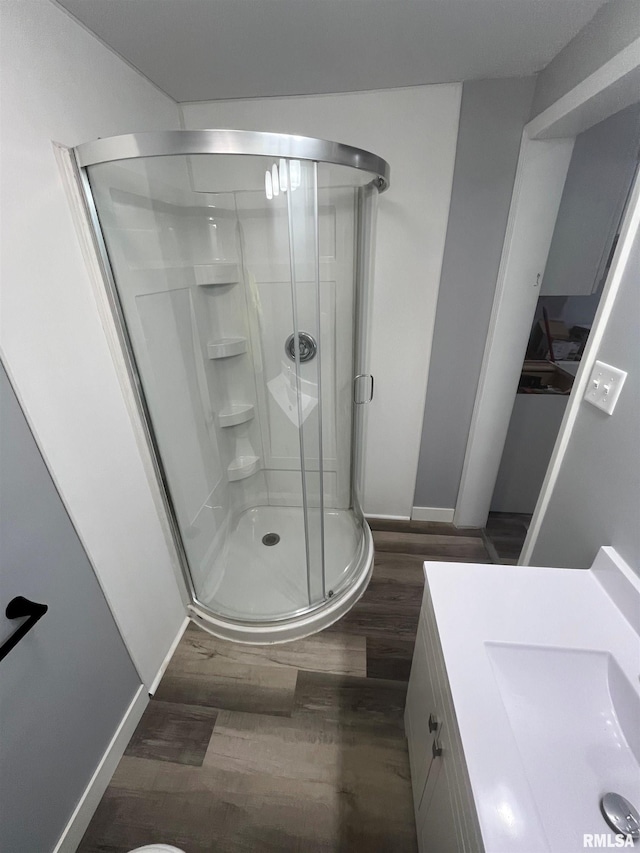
x=356 y=379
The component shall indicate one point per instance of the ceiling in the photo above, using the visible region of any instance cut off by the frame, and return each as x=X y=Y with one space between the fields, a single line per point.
x=212 y=49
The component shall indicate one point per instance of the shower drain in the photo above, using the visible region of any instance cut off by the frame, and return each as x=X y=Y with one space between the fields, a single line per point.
x=270 y=539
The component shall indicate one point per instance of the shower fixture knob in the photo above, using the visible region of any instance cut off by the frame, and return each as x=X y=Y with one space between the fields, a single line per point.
x=307 y=347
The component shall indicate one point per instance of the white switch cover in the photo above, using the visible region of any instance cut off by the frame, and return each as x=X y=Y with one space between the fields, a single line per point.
x=605 y=385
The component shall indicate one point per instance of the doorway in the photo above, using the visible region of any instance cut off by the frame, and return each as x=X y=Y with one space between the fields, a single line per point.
x=585 y=235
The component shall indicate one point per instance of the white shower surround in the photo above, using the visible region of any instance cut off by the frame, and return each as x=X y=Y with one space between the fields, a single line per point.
x=415 y=130
x=210 y=283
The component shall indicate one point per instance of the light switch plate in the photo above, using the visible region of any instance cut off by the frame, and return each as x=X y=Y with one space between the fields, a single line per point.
x=604 y=387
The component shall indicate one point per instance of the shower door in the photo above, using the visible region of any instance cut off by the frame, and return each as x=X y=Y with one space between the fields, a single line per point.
x=234 y=278
x=237 y=265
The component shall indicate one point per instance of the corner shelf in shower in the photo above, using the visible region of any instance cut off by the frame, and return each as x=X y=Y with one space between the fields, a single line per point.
x=238 y=413
x=212 y=275
x=243 y=467
x=226 y=347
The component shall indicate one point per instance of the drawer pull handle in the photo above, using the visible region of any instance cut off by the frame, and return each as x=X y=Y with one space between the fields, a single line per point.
x=436 y=748
x=433 y=723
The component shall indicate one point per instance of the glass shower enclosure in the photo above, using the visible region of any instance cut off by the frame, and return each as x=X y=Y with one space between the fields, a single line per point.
x=238 y=267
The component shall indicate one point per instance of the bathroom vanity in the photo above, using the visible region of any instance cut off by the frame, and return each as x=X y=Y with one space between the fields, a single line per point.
x=523 y=705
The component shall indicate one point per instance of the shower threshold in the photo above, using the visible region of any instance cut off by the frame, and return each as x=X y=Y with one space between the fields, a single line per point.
x=261 y=594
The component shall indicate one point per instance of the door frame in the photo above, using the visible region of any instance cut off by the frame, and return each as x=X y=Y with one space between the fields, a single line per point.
x=629 y=228
x=545 y=153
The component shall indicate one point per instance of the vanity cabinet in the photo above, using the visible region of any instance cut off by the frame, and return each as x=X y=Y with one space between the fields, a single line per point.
x=436 y=823
x=446 y=818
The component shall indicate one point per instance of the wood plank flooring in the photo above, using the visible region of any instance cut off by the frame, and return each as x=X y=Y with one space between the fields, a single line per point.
x=504 y=536
x=298 y=748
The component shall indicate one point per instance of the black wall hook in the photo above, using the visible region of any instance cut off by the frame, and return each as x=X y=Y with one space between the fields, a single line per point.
x=17 y=608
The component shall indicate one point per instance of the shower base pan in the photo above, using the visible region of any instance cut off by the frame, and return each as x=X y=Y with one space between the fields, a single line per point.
x=260 y=594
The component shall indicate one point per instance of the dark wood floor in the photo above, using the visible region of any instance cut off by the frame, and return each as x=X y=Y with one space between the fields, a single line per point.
x=504 y=536
x=296 y=748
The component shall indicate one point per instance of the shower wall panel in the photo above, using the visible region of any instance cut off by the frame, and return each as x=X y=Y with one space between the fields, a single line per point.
x=171 y=246
x=266 y=255
x=167 y=321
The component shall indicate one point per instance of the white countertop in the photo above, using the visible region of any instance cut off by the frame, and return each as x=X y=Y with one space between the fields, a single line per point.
x=564 y=609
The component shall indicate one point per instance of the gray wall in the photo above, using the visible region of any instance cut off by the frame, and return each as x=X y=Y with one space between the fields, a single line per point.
x=596 y=498
x=614 y=26
x=595 y=191
x=533 y=429
x=66 y=686
x=492 y=116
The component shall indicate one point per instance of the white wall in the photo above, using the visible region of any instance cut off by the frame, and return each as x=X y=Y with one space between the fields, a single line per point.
x=415 y=129
x=59 y=83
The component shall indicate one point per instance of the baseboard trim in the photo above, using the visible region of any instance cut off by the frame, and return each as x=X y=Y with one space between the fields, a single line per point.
x=83 y=812
x=387 y=517
x=432 y=513
x=165 y=663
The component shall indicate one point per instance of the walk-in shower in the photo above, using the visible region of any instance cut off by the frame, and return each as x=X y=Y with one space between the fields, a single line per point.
x=238 y=265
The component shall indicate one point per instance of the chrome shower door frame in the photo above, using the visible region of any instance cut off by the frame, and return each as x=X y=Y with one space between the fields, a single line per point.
x=167 y=143
x=132 y=146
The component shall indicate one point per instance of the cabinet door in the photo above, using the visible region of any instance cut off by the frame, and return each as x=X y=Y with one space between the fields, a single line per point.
x=420 y=705
x=437 y=824
x=602 y=167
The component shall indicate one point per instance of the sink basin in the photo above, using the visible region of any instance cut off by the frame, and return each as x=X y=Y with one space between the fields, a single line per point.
x=575 y=718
